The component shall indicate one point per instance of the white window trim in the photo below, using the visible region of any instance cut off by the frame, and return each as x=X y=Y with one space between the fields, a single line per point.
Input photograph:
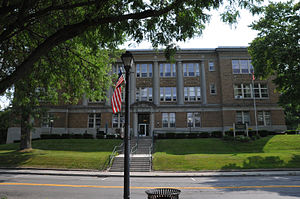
x=119 y=125
x=243 y=116
x=193 y=120
x=250 y=69
x=196 y=94
x=212 y=67
x=169 y=123
x=251 y=91
x=264 y=117
x=173 y=94
x=139 y=74
x=149 y=91
x=196 y=69
x=94 y=120
x=173 y=70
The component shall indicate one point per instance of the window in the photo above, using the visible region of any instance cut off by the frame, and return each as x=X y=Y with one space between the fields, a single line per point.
x=242 y=66
x=191 y=69
x=192 y=93
x=118 y=120
x=245 y=91
x=211 y=66
x=193 y=120
x=212 y=88
x=143 y=70
x=261 y=91
x=264 y=118
x=168 y=120
x=144 y=94
x=116 y=69
x=47 y=120
x=167 y=70
x=242 y=117
x=167 y=94
x=94 y=120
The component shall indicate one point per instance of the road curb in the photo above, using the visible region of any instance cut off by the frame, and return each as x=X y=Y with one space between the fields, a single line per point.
x=89 y=173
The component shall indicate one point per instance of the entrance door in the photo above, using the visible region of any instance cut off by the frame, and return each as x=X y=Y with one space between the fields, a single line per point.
x=143 y=129
x=143 y=124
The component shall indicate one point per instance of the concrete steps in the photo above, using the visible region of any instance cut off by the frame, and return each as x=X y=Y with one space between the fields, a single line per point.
x=139 y=161
x=137 y=164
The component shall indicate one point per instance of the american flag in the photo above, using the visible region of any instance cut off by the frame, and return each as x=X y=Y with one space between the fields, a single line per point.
x=116 y=100
x=253 y=77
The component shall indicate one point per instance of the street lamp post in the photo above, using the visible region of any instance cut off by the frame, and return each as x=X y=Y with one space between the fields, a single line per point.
x=127 y=60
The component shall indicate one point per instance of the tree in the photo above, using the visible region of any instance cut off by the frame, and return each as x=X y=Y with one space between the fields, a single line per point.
x=57 y=50
x=30 y=29
x=276 y=52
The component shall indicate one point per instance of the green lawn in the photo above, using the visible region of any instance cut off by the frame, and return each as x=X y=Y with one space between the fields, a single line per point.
x=62 y=153
x=280 y=151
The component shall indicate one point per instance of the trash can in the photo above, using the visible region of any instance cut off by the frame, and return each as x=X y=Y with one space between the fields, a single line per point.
x=163 y=193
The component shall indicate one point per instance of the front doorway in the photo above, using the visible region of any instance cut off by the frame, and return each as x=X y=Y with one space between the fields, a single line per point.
x=143 y=124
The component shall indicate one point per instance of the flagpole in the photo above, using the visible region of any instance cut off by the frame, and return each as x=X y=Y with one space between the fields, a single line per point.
x=254 y=104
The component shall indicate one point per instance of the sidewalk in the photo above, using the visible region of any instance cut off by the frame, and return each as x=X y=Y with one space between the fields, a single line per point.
x=90 y=173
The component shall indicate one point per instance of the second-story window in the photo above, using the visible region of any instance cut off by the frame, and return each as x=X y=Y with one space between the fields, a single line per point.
x=144 y=70
x=167 y=70
x=191 y=69
x=211 y=66
x=245 y=91
x=167 y=94
x=192 y=93
x=242 y=66
x=144 y=94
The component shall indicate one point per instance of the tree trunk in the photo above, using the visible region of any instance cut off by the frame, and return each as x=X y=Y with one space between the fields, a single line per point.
x=25 y=132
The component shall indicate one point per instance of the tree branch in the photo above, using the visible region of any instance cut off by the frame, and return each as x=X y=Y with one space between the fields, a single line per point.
x=71 y=31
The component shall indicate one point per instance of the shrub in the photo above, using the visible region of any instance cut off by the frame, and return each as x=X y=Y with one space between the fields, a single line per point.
x=50 y=136
x=217 y=134
x=240 y=133
x=65 y=136
x=99 y=136
x=193 y=135
x=204 y=135
x=229 y=133
x=241 y=138
x=110 y=136
x=76 y=136
x=290 y=132
x=228 y=138
x=181 y=135
x=88 y=136
x=170 y=135
x=263 y=133
x=160 y=135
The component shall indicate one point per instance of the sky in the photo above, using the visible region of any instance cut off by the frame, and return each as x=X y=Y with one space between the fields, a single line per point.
x=215 y=34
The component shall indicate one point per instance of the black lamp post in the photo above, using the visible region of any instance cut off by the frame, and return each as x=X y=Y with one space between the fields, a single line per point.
x=127 y=60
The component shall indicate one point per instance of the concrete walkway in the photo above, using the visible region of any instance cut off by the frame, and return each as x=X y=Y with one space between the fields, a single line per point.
x=93 y=173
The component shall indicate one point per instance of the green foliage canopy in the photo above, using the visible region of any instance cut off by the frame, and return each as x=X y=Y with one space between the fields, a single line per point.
x=276 y=50
x=30 y=30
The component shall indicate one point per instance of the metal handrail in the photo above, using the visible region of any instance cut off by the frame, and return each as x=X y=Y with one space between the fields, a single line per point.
x=135 y=147
x=150 y=156
x=115 y=151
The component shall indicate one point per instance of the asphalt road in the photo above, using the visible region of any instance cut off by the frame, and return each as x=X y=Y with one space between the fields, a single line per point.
x=15 y=186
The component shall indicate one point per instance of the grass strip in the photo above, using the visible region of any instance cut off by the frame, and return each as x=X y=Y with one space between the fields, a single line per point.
x=280 y=151
x=62 y=153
